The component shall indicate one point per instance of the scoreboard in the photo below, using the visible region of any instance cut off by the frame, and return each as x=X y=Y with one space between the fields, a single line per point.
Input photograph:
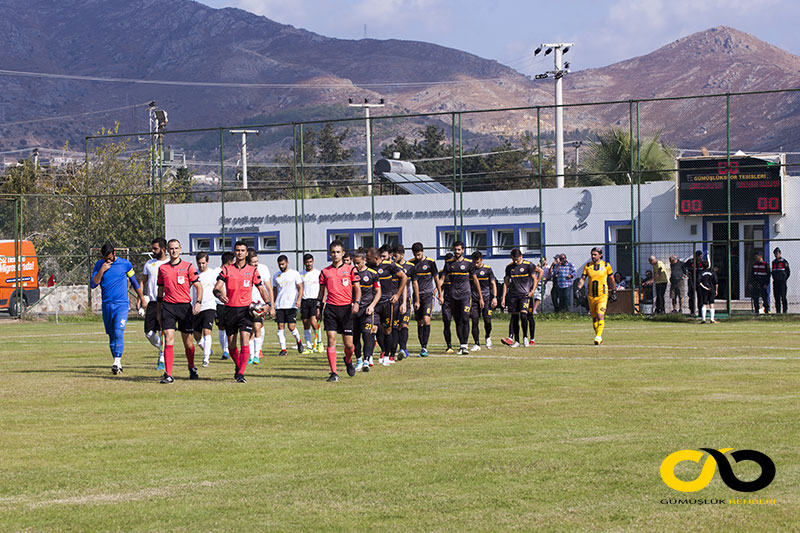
x=756 y=185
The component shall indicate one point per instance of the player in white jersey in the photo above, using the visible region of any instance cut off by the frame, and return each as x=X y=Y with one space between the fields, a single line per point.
x=288 y=287
x=309 y=305
x=257 y=340
x=204 y=320
x=152 y=329
x=227 y=258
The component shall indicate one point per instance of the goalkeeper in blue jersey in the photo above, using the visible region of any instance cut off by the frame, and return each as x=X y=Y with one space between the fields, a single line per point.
x=112 y=273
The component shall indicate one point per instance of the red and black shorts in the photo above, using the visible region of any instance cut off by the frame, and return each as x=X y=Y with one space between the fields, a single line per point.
x=338 y=318
x=177 y=316
x=238 y=319
x=286 y=316
x=204 y=319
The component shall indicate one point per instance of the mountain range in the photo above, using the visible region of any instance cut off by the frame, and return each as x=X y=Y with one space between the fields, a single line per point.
x=185 y=42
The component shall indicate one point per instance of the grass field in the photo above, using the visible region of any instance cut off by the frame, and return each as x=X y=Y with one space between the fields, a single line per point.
x=563 y=436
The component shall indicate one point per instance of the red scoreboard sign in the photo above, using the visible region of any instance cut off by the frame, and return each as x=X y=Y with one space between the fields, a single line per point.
x=756 y=185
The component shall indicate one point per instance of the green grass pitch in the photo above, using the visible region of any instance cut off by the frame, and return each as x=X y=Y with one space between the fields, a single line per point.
x=563 y=436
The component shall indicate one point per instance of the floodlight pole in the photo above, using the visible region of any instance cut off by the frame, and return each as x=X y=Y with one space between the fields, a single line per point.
x=366 y=105
x=558 y=73
x=244 y=153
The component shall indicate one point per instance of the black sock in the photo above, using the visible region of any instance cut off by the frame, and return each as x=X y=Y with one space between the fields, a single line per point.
x=369 y=345
x=515 y=327
x=532 y=325
x=524 y=319
x=475 y=330
x=393 y=341
x=448 y=336
x=487 y=325
x=404 y=338
x=426 y=335
x=421 y=334
x=381 y=338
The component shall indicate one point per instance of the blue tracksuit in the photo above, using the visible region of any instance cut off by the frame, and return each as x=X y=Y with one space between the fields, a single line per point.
x=114 y=287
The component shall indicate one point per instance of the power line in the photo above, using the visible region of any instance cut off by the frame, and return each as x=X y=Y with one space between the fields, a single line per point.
x=242 y=85
x=62 y=117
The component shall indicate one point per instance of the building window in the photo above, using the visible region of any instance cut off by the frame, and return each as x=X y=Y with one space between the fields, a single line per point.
x=268 y=243
x=201 y=244
x=532 y=241
x=446 y=240
x=221 y=245
x=249 y=240
x=477 y=241
x=503 y=241
x=389 y=238
x=344 y=237
x=364 y=240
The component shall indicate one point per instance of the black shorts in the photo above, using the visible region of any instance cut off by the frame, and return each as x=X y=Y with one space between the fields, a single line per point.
x=476 y=312
x=406 y=318
x=462 y=306
x=308 y=308
x=204 y=319
x=257 y=319
x=151 y=317
x=518 y=304
x=388 y=313
x=220 y=318
x=364 y=322
x=338 y=318
x=177 y=316
x=286 y=316
x=425 y=306
x=706 y=297
x=238 y=319
x=447 y=312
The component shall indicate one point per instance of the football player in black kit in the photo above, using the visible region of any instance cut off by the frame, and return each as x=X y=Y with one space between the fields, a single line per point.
x=393 y=281
x=520 y=282
x=365 y=319
x=399 y=256
x=488 y=284
x=427 y=286
x=460 y=271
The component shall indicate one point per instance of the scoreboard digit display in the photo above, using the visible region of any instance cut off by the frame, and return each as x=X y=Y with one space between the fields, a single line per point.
x=756 y=185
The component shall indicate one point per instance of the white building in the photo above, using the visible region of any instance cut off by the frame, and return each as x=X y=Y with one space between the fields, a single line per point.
x=573 y=220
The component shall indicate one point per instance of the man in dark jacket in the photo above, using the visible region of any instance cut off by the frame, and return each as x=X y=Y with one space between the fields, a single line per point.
x=694 y=267
x=780 y=274
x=759 y=283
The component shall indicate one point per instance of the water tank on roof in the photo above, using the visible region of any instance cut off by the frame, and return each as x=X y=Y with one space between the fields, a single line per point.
x=394 y=165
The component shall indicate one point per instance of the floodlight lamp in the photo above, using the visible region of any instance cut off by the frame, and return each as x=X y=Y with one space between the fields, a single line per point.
x=537 y=51
x=366 y=101
x=547 y=52
x=566 y=65
x=382 y=101
x=349 y=100
x=566 y=50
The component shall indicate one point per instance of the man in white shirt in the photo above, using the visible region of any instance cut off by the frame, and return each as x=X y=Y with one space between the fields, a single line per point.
x=257 y=340
x=309 y=306
x=152 y=329
x=204 y=320
x=288 y=286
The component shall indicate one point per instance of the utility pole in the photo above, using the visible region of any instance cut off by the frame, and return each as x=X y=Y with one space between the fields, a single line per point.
x=244 y=153
x=558 y=73
x=366 y=105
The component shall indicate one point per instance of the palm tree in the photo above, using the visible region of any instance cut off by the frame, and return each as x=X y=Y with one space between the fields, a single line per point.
x=609 y=160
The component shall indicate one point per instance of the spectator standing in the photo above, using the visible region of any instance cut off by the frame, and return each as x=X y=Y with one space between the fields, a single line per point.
x=553 y=278
x=566 y=275
x=759 y=283
x=539 y=292
x=677 y=273
x=660 y=279
x=694 y=266
x=780 y=274
x=708 y=285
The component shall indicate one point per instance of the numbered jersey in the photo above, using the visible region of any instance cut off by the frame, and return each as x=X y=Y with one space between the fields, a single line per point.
x=338 y=283
x=596 y=275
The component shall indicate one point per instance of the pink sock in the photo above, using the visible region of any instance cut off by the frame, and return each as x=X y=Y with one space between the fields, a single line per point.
x=169 y=357
x=189 y=356
x=332 y=359
x=243 y=357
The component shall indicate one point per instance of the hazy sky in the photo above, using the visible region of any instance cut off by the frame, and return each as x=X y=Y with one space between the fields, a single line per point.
x=604 y=32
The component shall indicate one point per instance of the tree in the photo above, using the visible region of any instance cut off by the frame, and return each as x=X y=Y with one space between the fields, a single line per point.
x=609 y=160
x=330 y=151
